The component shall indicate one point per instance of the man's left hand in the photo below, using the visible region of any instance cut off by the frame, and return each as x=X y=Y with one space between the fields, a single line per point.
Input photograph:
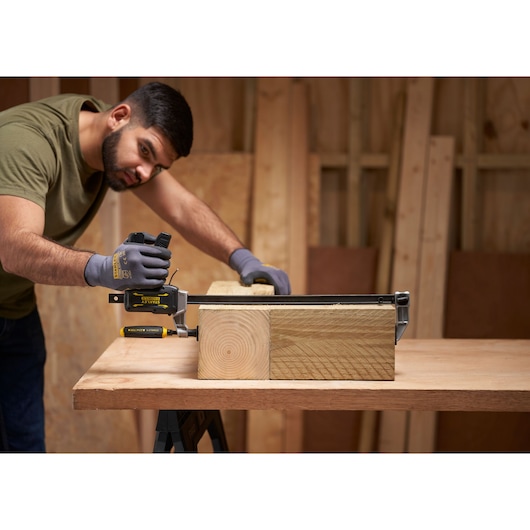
x=252 y=270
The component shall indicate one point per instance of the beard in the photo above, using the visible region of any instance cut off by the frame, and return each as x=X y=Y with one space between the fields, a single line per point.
x=109 y=151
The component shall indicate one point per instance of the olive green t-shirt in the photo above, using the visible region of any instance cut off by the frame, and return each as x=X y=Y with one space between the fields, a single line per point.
x=41 y=160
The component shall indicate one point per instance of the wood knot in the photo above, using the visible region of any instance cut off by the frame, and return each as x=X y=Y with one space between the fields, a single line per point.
x=490 y=132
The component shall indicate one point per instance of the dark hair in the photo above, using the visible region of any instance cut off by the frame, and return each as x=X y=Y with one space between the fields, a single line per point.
x=161 y=106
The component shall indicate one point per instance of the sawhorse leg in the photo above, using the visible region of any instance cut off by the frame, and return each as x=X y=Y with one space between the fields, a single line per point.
x=183 y=429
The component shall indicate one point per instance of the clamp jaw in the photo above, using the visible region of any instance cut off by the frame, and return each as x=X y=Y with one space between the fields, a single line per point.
x=402 y=303
x=179 y=316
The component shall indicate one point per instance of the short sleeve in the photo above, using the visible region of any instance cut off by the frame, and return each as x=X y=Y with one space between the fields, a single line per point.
x=28 y=166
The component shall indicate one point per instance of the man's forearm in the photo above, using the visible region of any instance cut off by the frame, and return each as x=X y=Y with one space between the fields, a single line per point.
x=44 y=261
x=190 y=216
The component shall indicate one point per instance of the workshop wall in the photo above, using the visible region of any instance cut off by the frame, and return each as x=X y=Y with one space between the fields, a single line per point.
x=352 y=126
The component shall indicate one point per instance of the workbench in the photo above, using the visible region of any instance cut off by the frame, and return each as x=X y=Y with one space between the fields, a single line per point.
x=430 y=375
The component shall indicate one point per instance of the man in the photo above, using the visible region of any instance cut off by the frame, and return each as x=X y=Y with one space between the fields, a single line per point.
x=58 y=157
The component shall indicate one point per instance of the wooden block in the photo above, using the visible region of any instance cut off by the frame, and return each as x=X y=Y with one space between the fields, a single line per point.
x=234 y=340
x=337 y=342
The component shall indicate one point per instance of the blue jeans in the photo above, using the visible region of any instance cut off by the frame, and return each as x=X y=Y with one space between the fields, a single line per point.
x=22 y=358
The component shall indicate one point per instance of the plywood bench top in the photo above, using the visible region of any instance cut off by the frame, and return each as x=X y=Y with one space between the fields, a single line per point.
x=431 y=374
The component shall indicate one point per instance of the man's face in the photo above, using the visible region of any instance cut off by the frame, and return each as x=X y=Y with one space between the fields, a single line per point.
x=132 y=155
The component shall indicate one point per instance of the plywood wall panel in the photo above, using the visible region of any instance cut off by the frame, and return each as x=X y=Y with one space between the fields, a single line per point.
x=505 y=207
x=75 y=85
x=505 y=194
x=329 y=102
x=448 y=109
x=127 y=86
x=223 y=182
x=218 y=108
x=383 y=99
x=507 y=127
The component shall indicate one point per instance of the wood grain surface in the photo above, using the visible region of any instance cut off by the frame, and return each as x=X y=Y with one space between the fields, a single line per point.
x=431 y=374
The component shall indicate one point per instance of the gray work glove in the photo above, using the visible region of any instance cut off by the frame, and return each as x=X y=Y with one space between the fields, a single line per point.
x=132 y=266
x=252 y=270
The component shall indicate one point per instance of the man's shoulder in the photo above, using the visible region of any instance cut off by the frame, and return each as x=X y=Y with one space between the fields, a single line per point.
x=63 y=107
x=77 y=101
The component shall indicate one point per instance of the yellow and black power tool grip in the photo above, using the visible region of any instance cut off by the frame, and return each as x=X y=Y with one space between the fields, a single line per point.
x=146 y=332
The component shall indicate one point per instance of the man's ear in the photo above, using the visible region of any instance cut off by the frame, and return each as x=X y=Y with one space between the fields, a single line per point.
x=120 y=115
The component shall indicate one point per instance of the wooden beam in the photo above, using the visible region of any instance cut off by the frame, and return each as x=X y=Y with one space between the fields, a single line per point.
x=299 y=218
x=369 y=418
x=354 y=209
x=493 y=161
x=249 y=114
x=270 y=217
x=270 y=200
x=384 y=262
x=383 y=160
x=366 y=160
x=43 y=87
x=313 y=207
x=434 y=253
x=420 y=92
x=470 y=171
x=411 y=191
x=434 y=257
x=298 y=188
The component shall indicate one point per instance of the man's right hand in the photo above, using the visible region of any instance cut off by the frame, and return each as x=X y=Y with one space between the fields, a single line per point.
x=132 y=266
